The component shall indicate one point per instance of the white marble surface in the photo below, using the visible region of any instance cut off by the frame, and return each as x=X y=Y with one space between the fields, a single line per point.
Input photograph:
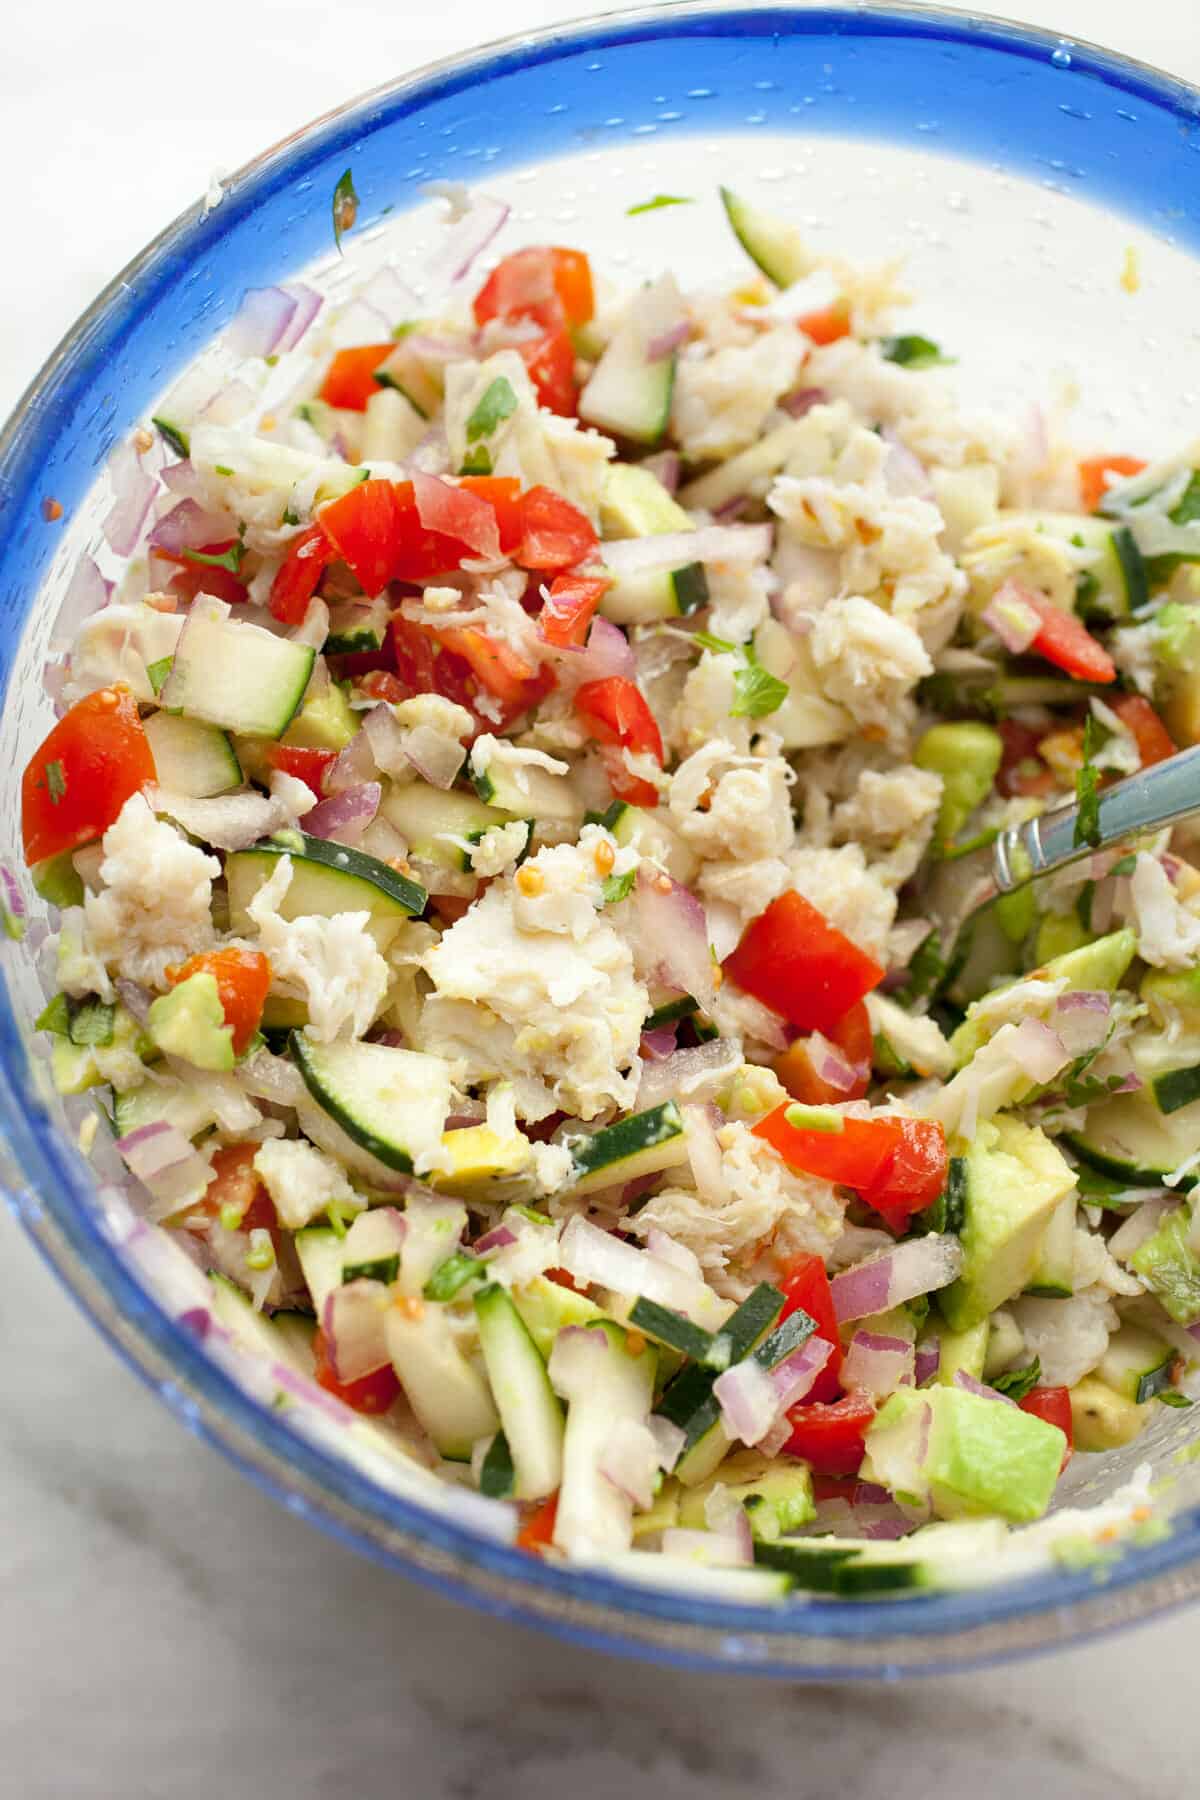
x=167 y=1633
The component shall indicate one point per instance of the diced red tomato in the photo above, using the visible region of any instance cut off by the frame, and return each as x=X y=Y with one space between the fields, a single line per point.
x=1153 y=740
x=546 y=283
x=364 y=527
x=555 y=535
x=797 y=963
x=243 y=978
x=550 y=361
x=853 y=1037
x=805 y=1286
x=898 y=1166
x=193 y=578
x=308 y=556
x=615 y=713
x=503 y=495
x=537 y=1533
x=498 y=668
x=82 y=775
x=1093 y=471
x=1021 y=769
x=373 y=1393
x=308 y=766
x=351 y=378
x=1053 y=1404
x=237 y=1184
x=831 y=1439
x=1070 y=646
x=569 y=608
x=827 y=325
x=449 y=908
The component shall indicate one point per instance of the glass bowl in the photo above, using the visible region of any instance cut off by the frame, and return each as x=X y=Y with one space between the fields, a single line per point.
x=1013 y=171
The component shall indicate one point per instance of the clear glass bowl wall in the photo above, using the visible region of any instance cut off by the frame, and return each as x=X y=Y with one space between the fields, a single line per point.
x=1011 y=171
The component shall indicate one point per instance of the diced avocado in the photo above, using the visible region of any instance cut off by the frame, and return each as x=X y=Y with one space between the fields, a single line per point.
x=1173 y=991
x=986 y=1457
x=635 y=503
x=1053 y=1277
x=1169 y=1268
x=57 y=881
x=1057 y=934
x=189 y=1022
x=1004 y=1345
x=73 y=1064
x=1015 y=1178
x=479 y=1156
x=324 y=722
x=966 y=754
x=776 y=1494
x=1102 y=1419
x=1137 y=1364
x=73 y=1067
x=965 y=1350
x=1098 y=965
x=547 y=1308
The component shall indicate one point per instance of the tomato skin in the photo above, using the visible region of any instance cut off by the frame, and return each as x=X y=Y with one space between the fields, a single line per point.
x=827 y=325
x=569 y=608
x=805 y=1286
x=916 y=1176
x=98 y=755
x=373 y=1393
x=550 y=361
x=797 y=963
x=1070 y=646
x=236 y=1183
x=498 y=669
x=1154 y=741
x=555 y=535
x=503 y=495
x=1021 y=770
x=1053 y=1404
x=363 y=528
x=242 y=977
x=201 y=578
x=537 y=1533
x=299 y=575
x=350 y=380
x=853 y=1036
x=308 y=766
x=831 y=1439
x=897 y=1165
x=1093 y=469
x=545 y=283
x=616 y=714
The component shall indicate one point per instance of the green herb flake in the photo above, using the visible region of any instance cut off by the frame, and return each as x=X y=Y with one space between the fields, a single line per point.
x=1125 y=865
x=1087 y=799
x=158 y=673
x=496 y=1476
x=912 y=351
x=222 y=469
x=56 y=1017
x=229 y=558
x=345 y=207
x=617 y=887
x=657 y=204
x=172 y=436
x=1170 y=1398
x=1019 y=1382
x=497 y=403
x=93 y=1024
x=477 y=461
x=56 y=782
x=758 y=693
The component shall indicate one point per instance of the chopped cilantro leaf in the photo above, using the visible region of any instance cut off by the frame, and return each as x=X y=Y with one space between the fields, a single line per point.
x=55 y=1017
x=1170 y=1398
x=1087 y=786
x=172 y=436
x=345 y=206
x=912 y=351
x=618 y=887
x=158 y=672
x=290 y=517
x=757 y=691
x=56 y=781
x=230 y=558
x=497 y=403
x=222 y=469
x=659 y=201
x=477 y=462
x=1018 y=1382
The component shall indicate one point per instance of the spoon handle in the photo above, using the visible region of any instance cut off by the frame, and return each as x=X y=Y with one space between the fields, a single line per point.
x=1155 y=797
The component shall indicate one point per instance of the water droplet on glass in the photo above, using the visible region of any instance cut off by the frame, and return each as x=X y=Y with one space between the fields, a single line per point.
x=1061 y=58
x=700 y=93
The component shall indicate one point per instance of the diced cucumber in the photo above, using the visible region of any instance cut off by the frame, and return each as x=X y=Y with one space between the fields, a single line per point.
x=188 y=1107
x=319 y=1249
x=524 y=792
x=529 y=1409
x=776 y=1493
x=392 y=427
x=497 y=1477
x=1136 y=1364
x=656 y=594
x=392 y=1102
x=371 y=1247
x=190 y=757
x=635 y=503
x=1114 y=583
x=628 y=395
x=1054 y=1276
x=636 y=828
x=285 y=1337
x=446 y=1392
x=772 y=243
x=404 y=371
x=1167 y=1265
x=338 y=429
x=426 y=817
x=1129 y=1138
x=355 y=627
x=258 y=466
x=433 y=1232
x=237 y=675
x=689 y=1401
x=752 y=1587
x=328 y=878
x=641 y=1144
x=677 y=1332
x=593 y=1513
x=750 y=471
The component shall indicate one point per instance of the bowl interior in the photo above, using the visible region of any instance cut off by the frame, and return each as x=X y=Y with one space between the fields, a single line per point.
x=1018 y=177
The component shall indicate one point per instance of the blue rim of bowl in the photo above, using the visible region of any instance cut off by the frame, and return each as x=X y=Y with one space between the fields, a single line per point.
x=814 y=1639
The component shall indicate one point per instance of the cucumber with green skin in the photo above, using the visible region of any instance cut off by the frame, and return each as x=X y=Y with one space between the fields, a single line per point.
x=328 y=878
x=237 y=676
x=643 y=1144
x=392 y=1102
x=191 y=757
x=530 y=1412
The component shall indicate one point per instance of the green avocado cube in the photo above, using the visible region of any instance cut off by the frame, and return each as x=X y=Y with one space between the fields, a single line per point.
x=636 y=504
x=1169 y=1268
x=1015 y=1178
x=987 y=1457
x=966 y=754
x=325 y=722
x=189 y=1022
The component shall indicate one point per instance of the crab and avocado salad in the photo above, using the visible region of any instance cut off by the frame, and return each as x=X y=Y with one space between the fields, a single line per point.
x=492 y=830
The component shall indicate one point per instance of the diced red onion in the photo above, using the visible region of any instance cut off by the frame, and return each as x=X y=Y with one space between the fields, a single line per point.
x=86 y=592
x=273 y=1078
x=732 y=509
x=388 y=291
x=669 y=1440
x=748 y=1400
x=498 y=1238
x=607 y=652
x=575 y=1359
x=345 y=816
x=437 y=350
x=260 y=321
x=1038 y=1051
x=304 y=1388
x=971 y=1386
x=1141 y=1224
x=920 y=1266
x=230 y=404
x=664 y=465
x=352 y=1321
x=385 y=740
x=802 y=400
x=13 y=898
x=376 y=1233
x=165 y=1162
x=904 y=473
x=456 y=512
x=134 y=998
x=226 y=821
x=777 y=1438
x=133 y=491
x=829 y=1063
x=189 y=526
x=657 y=1045
x=794 y=1376
x=182 y=479
x=1081 y=1021
x=308 y=304
x=198 y=1320
x=688 y=1073
x=671 y=936
x=594 y=1256
x=359 y=323
x=353 y=766
x=718 y=1549
x=927 y=1361
x=672 y=549
x=629 y=1460
x=1015 y=622
x=1129 y=1084
x=54 y=680
x=665 y=343
x=877 y=1363
x=436 y=757
x=466 y=239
